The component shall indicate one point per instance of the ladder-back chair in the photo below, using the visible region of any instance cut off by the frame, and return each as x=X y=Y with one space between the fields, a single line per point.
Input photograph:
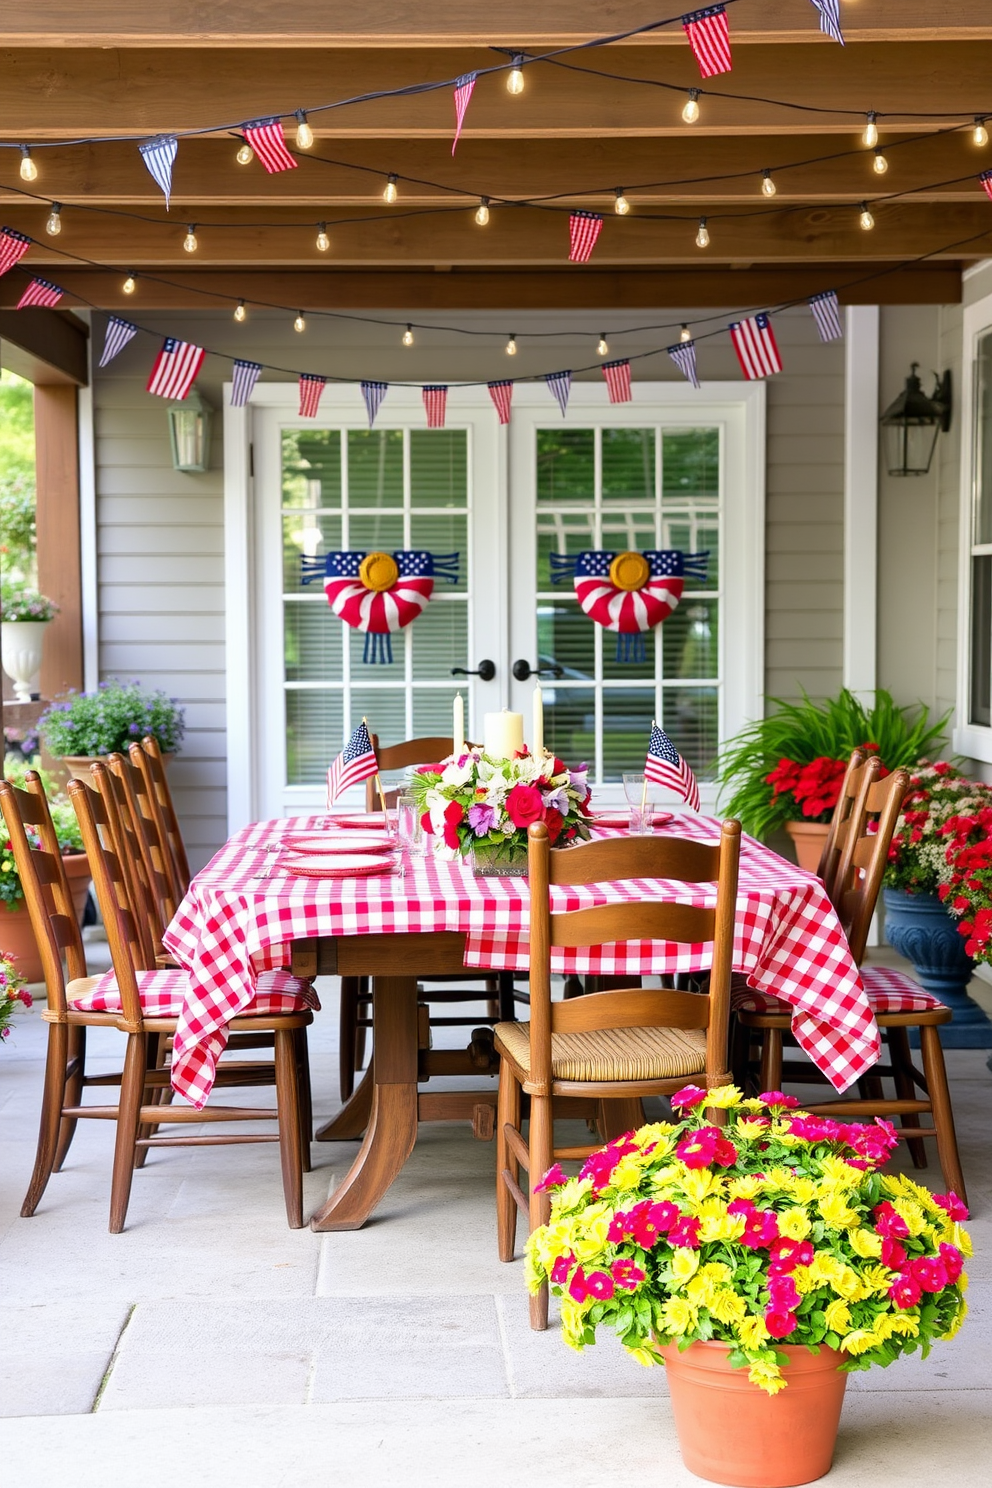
x=147 y=757
x=850 y=786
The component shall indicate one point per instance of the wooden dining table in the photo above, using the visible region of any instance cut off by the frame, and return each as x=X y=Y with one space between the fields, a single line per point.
x=247 y=912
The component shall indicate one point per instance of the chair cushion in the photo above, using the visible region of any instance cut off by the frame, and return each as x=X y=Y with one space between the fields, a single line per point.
x=887 y=990
x=163 y=993
x=613 y=1053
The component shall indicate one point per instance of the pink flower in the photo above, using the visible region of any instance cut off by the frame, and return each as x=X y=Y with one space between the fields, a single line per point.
x=600 y=1286
x=780 y=1323
x=551 y=1179
x=930 y=1272
x=775 y=1098
x=627 y=1273
x=649 y=1221
x=524 y=805
x=873 y=1142
x=685 y=1233
x=707 y=1145
x=893 y=1254
x=562 y=1266
x=742 y=1206
x=889 y=1223
x=952 y=1206
x=905 y=1291
x=599 y=1165
x=785 y=1255
x=760 y=1229
x=689 y=1096
x=577 y=1286
x=783 y=1294
x=815 y=1128
x=953 y=1260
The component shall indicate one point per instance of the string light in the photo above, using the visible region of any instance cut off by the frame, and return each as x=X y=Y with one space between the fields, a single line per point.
x=54 y=224
x=515 y=77
x=702 y=235
x=241 y=313
x=304 y=134
x=768 y=187
x=691 y=111
x=867 y=220
x=130 y=284
x=389 y=192
x=879 y=165
x=189 y=241
x=621 y=206
x=685 y=334
x=29 y=171
x=482 y=212
x=981 y=134
x=323 y=241
x=299 y=324
x=511 y=345
x=870 y=135
x=245 y=154
x=407 y=337
x=602 y=349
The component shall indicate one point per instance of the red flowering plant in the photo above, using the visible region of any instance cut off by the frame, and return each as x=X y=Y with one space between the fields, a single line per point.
x=966 y=877
x=775 y=1228
x=941 y=813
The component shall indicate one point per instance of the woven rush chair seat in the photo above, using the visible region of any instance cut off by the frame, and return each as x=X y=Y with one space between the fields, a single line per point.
x=163 y=994
x=614 y=1054
x=887 y=990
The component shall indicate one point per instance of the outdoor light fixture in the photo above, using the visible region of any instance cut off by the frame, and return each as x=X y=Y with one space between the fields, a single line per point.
x=685 y=334
x=980 y=134
x=189 y=241
x=407 y=336
x=54 y=224
x=603 y=348
x=190 y=425
x=515 y=77
x=690 y=112
x=621 y=206
x=870 y=136
x=880 y=165
x=390 y=193
x=511 y=345
x=130 y=284
x=28 y=169
x=912 y=422
x=304 y=134
x=245 y=154
x=240 y=312
x=323 y=241
x=768 y=187
x=702 y=234
x=482 y=212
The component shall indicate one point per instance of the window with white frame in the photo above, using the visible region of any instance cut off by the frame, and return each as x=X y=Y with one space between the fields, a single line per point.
x=979 y=698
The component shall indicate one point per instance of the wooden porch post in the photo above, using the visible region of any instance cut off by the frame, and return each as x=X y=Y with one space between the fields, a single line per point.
x=59 y=575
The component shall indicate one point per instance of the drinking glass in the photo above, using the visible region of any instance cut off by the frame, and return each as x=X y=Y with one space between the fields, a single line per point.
x=408 y=831
x=643 y=801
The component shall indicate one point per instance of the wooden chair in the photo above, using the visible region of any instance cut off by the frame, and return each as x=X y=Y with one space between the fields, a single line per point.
x=616 y=1046
x=147 y=757
x=898 y=1002
x=850 y=786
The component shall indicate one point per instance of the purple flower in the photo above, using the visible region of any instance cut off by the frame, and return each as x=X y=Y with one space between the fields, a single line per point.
x=482 y=819
x=557 y=800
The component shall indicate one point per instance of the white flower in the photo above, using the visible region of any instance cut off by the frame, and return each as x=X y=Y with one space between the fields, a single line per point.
x=458 y=774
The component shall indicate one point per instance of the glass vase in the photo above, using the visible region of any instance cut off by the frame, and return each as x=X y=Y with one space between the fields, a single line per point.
x=500 y=859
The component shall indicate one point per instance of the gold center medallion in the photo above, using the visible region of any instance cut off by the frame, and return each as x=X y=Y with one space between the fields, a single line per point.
x=378 y=571
x=630 y=571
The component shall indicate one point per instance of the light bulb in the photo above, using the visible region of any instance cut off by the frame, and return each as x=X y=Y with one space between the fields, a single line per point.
x=54 y=224
x=511 y=345
x=621 y=206
x=870 y=135
x=981 y=134
x=685 y=334
x=245 y=154
x=299 y=324
x=482 y=211
x=702 y=236
x=407 y=337
x=241 y=314
x=130 y=284
x=768 y=187
x=390 y=193
x=879 y=165
x=304 y=134
x=867 y=220
x=515 y=77
x=29 y=171
x=323 y=241
x=691 y=111
x=602 y=349
x=189 y=241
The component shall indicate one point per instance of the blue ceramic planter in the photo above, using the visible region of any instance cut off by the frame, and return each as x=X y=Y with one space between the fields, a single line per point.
x=920 y=928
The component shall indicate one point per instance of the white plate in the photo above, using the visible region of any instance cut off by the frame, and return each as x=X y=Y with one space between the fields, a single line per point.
x=340 y=842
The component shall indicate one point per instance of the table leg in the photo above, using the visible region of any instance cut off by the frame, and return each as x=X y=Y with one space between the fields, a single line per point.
x=353 y=1117
x=392 y=1126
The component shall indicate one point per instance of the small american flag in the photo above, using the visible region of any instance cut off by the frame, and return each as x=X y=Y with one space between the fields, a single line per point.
x=159 y=155
x=40 y=292
x=985 y=178
x=502 y=396
x=830 y=18
x=709 y=37
x=115 y=338
x=826 y=313
x=436 y=403
x=583 y=230
x=754 y=343
x=13 y=246
x=246 y=374
x=617 y=376
x=463 y=92
x=373 y=393
x=665 y=766
x=311 y=391
x=175 y=368
x=269 y=143
x=683 y=354
x=559 y=386
x=355 y=763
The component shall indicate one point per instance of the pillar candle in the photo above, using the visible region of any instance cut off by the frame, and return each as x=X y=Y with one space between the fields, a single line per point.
x=458 y=725
x=503 y=734
x=537 y=739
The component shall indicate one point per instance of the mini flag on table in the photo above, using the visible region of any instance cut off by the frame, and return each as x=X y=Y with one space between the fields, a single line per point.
x=355 y=763
x=115 y=338
x=583 y=230
x=985 y=178
x=373 y=393
x=269 y=143
x=311 y=391
x=709 y=37
x=463 y=92
x=159 y=155
x=502 y=396
x=175 y=368
x=826 y=313
x=683 y=354
x=559 y=386
x=13 y=246
x=754 y=343
x=830 y=18
x=436 y=403
x=40 y=292
x=617 y=376
x=665 y=766
x=246 y=374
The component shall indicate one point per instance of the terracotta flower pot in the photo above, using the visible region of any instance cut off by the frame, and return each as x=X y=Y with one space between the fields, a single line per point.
x=78 y=765
x=808 y=838
x=16 y=934
x=730 y=1431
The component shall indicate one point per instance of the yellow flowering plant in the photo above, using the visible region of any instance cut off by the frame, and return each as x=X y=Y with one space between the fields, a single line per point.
x=774 y=1228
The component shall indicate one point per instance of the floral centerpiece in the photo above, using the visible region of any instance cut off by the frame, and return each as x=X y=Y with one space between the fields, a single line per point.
x=115 y=714
x=11 y=992
x=475 y=804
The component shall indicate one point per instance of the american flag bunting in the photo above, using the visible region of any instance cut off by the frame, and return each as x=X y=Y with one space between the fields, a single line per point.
x=269 y=143
x=665 y=766
x=373 y=393
x=436 y=404
x=175 y=368
x=683 y=354
x=115 y=338
x=985 y=178
x=754 y=343
x=826 y=313
x=709 y=37
x=464 y=87
x=617 y=376
x=13 y=246
x=830 y=18
x=311 y=392
x=40 y=292
x=159 y=156
x=502 y=396
x=583 y=230
x=246 y=374
x=355 y=763
x=559 y=386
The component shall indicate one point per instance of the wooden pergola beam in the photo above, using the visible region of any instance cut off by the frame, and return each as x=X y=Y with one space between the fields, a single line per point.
x=44 y=346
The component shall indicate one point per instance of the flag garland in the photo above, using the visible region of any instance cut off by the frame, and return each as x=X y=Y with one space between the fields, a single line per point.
x=246 y=374
x=159 y=156
x=40 y=292
x=435 y=398
x=373 y=393
x=464 y=88
x=683 y=354
x=583 y=230
x=13 y=246
x=756 y=348
x=502 y=396
x=617 y=376
x=826 y=313
x=175 y=368
x=116 y=336
x=830 y=18
x=355 y=763
x=559 y=386
x=665 y=766
x=311 y=392
x=269 y=143
x=709 y=37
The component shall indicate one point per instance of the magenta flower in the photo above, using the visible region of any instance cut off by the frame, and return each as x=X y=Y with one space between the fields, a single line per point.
x=649 y=1221
x=780 y=1323
x=562 y=1266
x=953 y=1260
x=893 y=1254
x=930 y=1272
x=785 y=1255
x=760 y=1229
x=599 y=1165
x=889 y=1223
x=952 y=1206
x=599 y=1285
x=783 y=1294
x=577 y=1286
x=689 y=1096
x=627 y=1273
x=777 y=1100
x=707 y=1145
x=905 y=1291
x=552 y=1178
x=685 y=1233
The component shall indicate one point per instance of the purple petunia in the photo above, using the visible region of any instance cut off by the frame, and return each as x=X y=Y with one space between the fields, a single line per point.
x=482 y=819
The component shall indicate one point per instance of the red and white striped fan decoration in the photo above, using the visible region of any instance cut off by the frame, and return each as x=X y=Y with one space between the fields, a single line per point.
x=269 y=143
x=583 y=230
x=40 y=292
x=435 y=405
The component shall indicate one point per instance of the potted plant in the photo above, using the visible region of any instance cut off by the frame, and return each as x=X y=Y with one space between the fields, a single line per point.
x=786 y=770
x=478 y=805
x=16 y=933
x=11 y=991
x=761 y=1260
x=26 y=613
x=80 y=727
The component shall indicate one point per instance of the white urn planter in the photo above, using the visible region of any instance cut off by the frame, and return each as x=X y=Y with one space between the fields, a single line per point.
x=21 y=643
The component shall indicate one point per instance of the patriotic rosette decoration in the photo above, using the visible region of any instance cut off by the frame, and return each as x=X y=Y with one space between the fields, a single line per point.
x=380 y=593
x=629 y=593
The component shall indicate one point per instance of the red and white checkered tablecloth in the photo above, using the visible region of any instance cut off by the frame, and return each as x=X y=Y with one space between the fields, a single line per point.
x=233 y=924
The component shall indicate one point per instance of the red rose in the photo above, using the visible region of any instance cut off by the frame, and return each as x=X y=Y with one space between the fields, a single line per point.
x=524 y=805
x=454 y=813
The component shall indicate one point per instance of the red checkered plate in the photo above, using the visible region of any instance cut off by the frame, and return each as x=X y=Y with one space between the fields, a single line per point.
x=343 y=842
x=340 y=865
x=622 y=818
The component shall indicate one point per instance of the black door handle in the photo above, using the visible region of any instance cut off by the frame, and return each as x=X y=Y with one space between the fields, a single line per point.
x=523 y=670
x=485 y=671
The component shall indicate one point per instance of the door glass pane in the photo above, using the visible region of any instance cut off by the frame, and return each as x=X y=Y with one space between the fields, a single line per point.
x=983 y=441
x=981 y=640
x=440 y=639
x=570 y=723
x=375 y=467
x=627 y=717
x=313 y=641
x=628 y=465
x=313 y=733
x=566 y=465
x=691 y=720
x=311 y=467
x=439 y=467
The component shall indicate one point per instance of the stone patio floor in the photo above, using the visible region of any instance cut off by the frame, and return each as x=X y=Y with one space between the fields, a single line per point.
x=209 y=1344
